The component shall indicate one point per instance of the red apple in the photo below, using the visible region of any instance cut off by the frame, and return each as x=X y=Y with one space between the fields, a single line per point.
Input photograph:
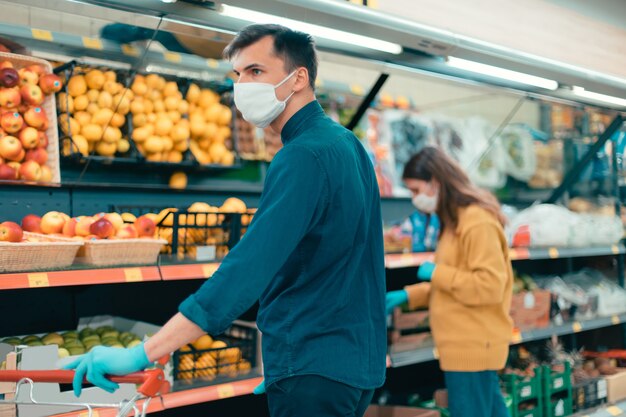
x=10 y=98
x=52 y=222
x=35 y=117
x=39 y=155
x=37 y=69
x=16 y=166
x=31 y=171
x=145 y=226
x=20 y=157
x=6 y=64
x=28 y=76
x=49 y=83
x=31 y=223
x=83 y=225
x=32 y=94
x=102 y=228
x=115 y=219
x=7 y=172
x=3 y=133
x=43 y=139
x=10 y=232
x=29 y=137
x=10 y=147
x=46 y=174
x=11 y=122
x=69 y=228
x=127 y=231
x=9 y=77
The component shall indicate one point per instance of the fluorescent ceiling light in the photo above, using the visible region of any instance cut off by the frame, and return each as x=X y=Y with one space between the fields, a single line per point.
x=581 y=92
x=518 y=77
x=314 y=30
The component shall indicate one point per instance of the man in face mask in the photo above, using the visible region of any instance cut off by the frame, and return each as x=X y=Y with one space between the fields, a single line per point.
x=312 y=257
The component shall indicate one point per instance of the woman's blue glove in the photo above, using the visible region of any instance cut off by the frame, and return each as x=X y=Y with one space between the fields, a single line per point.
x=101 y=361
x=259 y=389
x=395 y=299
x=426 y=271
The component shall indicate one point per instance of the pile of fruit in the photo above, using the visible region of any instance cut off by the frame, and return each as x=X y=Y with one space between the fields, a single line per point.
x=79 y=342
x=93 y=113
x=210 y=127
x=206 y=358
x=23 y=122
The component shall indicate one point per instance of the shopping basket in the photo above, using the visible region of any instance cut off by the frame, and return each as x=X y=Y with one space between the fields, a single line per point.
x=150 y=383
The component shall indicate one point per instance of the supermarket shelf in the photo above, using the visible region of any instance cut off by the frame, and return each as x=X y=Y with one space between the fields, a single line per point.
x=188 y=271
x=120 y=275
x=210 y=393
x=406 y=260
x=429 y=353
x=618 y=409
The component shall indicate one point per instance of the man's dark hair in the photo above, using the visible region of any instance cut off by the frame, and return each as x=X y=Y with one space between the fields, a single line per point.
x=297 y=49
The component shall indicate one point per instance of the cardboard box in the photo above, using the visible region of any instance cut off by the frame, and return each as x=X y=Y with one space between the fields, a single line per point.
x=616 y=386
x=530 y=310
x=397 y=411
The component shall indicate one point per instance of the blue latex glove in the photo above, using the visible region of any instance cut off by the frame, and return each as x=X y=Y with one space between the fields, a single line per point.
x=259 y=389
x=425 y=271
x=101 y=361
x=395 y=298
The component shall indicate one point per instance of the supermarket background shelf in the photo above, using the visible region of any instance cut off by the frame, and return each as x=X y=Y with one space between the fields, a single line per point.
x=407 y=260
x=429 y=353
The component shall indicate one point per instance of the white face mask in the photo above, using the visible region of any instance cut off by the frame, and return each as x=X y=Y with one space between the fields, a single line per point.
x=426 y=203
x=258 y=103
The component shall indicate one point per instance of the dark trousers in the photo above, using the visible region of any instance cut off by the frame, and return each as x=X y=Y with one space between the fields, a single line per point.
x=316 y=396
x=475 y=394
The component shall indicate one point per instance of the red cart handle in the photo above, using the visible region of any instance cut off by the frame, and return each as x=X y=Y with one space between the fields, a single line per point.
x=151 y=380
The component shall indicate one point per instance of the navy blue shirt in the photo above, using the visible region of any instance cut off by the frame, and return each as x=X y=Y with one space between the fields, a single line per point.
x=313 y=257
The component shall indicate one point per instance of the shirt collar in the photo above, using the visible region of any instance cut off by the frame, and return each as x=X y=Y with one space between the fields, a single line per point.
x=299 y=121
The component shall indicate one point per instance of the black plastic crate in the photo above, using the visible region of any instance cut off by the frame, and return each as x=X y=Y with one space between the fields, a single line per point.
x=237 y=358
x=589 y=394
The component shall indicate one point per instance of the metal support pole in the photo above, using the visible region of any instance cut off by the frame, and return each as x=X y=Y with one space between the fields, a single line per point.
x=367 y=101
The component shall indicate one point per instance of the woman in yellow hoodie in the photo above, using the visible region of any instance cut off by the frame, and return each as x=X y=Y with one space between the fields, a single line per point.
x=468 y=287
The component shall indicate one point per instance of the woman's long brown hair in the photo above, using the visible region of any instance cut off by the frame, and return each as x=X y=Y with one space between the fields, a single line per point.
x=455 y=188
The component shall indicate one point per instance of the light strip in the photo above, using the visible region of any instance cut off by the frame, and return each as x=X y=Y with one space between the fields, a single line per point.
x=314 y=30
x=581 y=92
x=505 y=74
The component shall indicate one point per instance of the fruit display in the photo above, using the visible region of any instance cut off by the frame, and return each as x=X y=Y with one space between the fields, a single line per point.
x=246 y=139
x=11 y=232
x=75 y=342
x=24 y=122
x=160 y=127
x=206 y=358
x=92 y=113
x=209 y=123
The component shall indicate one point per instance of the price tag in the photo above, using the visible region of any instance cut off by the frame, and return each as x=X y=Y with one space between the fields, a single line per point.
x=357 y=89
x=577 y=327
x=435 y=353
x=615 y=320
x=213 y=63
x=553 y=253
x=133 y=275
x=225 y=391
x=92 y=43
x=614 y=411
x=130 y=50
x=209 y=269
x=517 y=336
x=172 y=57
x=42 y=35
x=38 y=280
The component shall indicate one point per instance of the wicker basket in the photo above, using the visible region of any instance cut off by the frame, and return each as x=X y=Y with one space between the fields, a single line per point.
x=49 y=106
x=120 y=252
x=48 y=253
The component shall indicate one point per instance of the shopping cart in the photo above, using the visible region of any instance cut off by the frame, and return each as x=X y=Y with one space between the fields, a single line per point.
x=150 y=383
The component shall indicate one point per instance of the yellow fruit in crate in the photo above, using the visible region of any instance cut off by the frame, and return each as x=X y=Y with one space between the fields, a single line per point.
x=65 y=103
x=110 y=76
x=179 y=132
x=159 y=106
x=129 y=217
x=232 y=355
x=207 y=98
x=226 y=115
x=140 y=134
x=113 y=87
x=95 y=79
x=174 y=157
x=83 y=118
x=205 y=360
x=121 y=103
x=213 y=113
x=92 y=108
x=193 y=93
x=152 y=80
x=102 y=117
x=69 y=125
x=93 y=95
x=137 y=106
x=170 y=89
x=201 y=156
x=223 y=133
x=203 y=342
x=183 y=107
x=155 y=157
x=181 y=146
x=77 y=86
x=140 y=120
x=92 y=147
x=233 y=205
x=218 y=354
x=105 y=148
x=165 y=218
x=151 y=118
x=204 y=143
x=174 y=116
x=197 y=127
x=217 y=152
x=228 y=159
x=112 y=135
x=138 y=87
x=168 y=143
x=153 y=144
x=244 y=367
x=81 y=102
x=210 y=131
x=163 y=127
x=92 y=132
x=78 y=144
x=118 y=120
x=105 y=100
x=199 y=207
x=178 y=181
x=148 y=106
x=171 y=103
x=154 y=95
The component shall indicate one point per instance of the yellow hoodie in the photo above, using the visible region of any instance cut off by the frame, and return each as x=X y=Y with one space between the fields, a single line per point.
x=469 y=297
